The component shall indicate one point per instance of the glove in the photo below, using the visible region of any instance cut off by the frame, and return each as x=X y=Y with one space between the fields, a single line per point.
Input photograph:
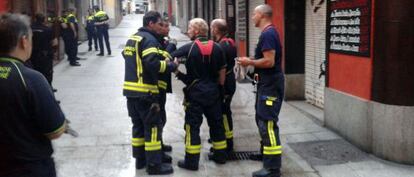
x=171 y=66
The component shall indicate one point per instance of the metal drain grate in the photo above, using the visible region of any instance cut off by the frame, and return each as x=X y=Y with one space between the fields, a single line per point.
x=243 y=155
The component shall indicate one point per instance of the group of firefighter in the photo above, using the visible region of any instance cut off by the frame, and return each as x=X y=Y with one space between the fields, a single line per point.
x=150 y=58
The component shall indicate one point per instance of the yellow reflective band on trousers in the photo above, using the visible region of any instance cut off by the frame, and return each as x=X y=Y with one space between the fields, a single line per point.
x=141 y=87
x=153 y=145
x=163 y=66
x=229 y=134
x=219 y=145
x=191 y=149
x=137 y=142
x=149 y=51
x=162 y=84
x=273 y=149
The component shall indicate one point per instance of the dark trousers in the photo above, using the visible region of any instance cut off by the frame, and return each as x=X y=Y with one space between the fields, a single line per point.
x=92 y=36
x=70 y=47
x=102 y=34
x=228 y=121
x=267 y=117
x=40 y=168
x=163 y=113
x=42 y=61
x=193 y=120
x=146 y=130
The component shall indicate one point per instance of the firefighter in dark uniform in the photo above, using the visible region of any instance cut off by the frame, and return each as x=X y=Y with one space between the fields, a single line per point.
x=91 y=31
x=219 y=32
x=205 y=66
x=165 y=78
x=144 y=60
x=43 y=43
x=101 y=24
x=270 y=90
x=68 y=37
x=29 y=114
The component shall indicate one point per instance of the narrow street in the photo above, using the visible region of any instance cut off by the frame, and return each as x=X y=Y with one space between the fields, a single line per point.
x=91 y=97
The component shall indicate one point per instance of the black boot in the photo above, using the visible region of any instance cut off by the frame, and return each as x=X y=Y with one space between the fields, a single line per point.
x=159 y=169
x=90 y=48
x=188 y=166
x=140 y=164
x=166 y=148
x=218 y=156
x=166 y=158
x=266 y=173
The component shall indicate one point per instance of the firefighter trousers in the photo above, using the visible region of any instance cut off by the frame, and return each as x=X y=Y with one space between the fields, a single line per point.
x=146 y=130
x=228 y=121
x=193 y=120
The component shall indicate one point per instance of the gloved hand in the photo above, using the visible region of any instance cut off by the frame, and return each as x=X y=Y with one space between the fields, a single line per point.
x=152 y=116
x=172 y=66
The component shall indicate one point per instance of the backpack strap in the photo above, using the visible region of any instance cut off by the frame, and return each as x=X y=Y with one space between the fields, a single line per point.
x=228 y=40
x=205 y=49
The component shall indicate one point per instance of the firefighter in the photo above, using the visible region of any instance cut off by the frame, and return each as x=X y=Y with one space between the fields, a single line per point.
x=219 y=32
x=270 y=90
x=165 y=78
x=144 y=60
x=91 y=30
x=101 y=24
x=43 y=43
x=68 y=37
x=205 y=66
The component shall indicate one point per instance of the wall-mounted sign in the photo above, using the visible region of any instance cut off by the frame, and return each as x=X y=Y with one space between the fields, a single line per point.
x=349 y=26
x=242 y=19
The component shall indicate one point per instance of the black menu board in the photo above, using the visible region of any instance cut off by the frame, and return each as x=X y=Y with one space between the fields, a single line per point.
x=349 y=26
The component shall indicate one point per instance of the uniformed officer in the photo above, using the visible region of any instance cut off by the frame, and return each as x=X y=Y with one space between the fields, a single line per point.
x=68 y=36
x=205 y=66
x=144 y=60
x=270 y=90
x=101 y=24
x=29 y=115
x=165 y=78
x=219 y=32
x=91 y=30
x=73 y=25
x=43 y=43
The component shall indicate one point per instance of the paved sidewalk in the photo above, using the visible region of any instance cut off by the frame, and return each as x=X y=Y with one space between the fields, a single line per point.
x=91 y=97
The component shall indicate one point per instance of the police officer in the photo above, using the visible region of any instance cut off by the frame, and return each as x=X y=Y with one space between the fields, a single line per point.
x=144 y=60
x=91 y=30
x=29 y=115
x=68 y=36
x=270 y=90
x=73 y=25
x=205 y=66
x=165 y=78
x=219 y=32
x=43 y=43
x=101 y=24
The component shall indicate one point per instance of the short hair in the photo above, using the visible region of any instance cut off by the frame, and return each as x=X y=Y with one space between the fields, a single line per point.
x=220 y=24
x=12 y=28
x=265 y=9
x=151 y=16
x=200 y=24
x=39 y=18
x=96 y=8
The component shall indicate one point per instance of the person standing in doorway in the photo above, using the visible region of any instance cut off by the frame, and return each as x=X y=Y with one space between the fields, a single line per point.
x=91 y=30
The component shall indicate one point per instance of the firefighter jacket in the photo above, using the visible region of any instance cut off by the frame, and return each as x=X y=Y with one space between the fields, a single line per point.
x=144 y=62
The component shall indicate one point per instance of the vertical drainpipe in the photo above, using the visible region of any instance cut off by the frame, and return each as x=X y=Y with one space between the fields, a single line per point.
x=170 y=11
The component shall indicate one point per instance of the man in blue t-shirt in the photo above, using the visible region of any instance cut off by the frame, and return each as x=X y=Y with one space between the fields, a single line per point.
x=29 y=114
x=270 y=90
